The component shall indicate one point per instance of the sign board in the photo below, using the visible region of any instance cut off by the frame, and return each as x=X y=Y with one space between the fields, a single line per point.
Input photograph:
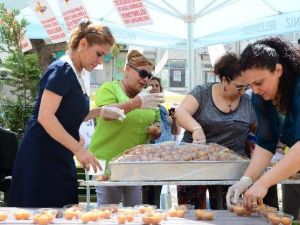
x=215 y=52
x=26 y=44
x=73 y=11
x=45 y=14
x=162 y=62
x=133 y=12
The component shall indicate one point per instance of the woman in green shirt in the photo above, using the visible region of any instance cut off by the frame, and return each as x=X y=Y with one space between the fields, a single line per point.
x=112 y=138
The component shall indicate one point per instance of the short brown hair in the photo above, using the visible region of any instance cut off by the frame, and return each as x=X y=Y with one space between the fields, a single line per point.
x=95 y=33
x=136 y=59
x=228 y=67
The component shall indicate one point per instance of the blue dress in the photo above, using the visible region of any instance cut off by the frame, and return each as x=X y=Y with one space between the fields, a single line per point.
x=44 y=173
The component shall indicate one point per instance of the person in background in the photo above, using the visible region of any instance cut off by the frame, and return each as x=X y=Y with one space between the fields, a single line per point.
x=217 y=113
x=44 y=173
x=87 y=128
x=168 y=122
x=112 y=138
x=272 y=67
x=169 y=127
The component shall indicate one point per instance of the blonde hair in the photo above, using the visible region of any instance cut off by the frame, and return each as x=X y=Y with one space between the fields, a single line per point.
x=136 y=59
x=95 y=33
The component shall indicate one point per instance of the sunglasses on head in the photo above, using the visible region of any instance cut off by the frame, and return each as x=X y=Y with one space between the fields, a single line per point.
x=142 y=73
x=105 y=31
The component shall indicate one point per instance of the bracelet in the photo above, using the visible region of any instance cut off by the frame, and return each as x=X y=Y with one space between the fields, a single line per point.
x=196 y=128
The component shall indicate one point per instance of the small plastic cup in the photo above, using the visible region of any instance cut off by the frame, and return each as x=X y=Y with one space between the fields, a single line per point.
x=204 y=214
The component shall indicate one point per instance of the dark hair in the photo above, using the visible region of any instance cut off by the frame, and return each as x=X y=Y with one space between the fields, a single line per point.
x=159 y=81
x=265 y=54
x=95 y=33
x=228 y=67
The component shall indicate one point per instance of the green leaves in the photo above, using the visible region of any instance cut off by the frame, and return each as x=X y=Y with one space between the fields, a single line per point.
x=19 y=71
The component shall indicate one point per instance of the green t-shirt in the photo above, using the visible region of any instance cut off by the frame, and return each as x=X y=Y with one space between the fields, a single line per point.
x=113 y=137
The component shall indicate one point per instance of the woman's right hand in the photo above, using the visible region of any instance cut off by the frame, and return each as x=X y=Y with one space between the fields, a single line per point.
x=112 y=113
x=87 y=159
x=199 y=136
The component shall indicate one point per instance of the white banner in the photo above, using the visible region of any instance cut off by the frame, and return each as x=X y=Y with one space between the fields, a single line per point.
x=162 y=62
x=45 y=14
x=215 y=52
x=133 y=12
x=26 y=44
x=72 y=11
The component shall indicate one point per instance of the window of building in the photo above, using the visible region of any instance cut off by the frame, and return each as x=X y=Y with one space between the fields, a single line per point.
x=175 y=72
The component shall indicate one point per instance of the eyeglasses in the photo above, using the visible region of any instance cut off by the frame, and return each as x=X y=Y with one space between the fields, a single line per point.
x=142 y=73
x=240 y=88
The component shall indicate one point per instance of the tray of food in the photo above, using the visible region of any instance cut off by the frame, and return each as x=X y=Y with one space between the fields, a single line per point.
x=163 y=162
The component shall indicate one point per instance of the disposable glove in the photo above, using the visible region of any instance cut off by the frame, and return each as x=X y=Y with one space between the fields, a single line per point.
x=150 y=100
x=237 y=189
x=112 y=113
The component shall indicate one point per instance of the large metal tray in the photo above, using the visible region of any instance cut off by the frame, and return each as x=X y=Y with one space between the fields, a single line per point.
x=178 y=170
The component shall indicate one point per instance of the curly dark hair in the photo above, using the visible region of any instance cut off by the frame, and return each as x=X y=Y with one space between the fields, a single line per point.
x=228 y=67
x=265 y=54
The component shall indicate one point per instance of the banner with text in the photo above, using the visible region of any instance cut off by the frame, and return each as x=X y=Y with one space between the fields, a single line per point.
x=45 y=14
x=133 y=12
x=73 y=11
x=215 y=53
x=26 y=44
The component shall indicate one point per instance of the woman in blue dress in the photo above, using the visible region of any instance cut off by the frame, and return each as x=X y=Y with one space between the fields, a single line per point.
x=44 y=173
x=272 y=68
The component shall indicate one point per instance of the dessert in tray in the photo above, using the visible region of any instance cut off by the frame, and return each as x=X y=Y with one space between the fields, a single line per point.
x=178 y=162
x=182 y=152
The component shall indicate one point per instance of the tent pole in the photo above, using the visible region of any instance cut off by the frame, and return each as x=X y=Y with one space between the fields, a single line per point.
x=190 y=34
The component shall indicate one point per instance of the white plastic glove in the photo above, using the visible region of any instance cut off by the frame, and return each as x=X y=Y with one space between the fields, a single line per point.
x=150 y=100
x=112 y=113
x=237 y=189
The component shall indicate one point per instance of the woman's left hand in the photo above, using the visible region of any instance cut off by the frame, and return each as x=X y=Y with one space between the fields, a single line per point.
x=87 y=159
x=254 y=196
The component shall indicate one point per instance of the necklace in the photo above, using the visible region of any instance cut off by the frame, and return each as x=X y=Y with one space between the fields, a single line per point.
x=276 y=103
x=228 y=103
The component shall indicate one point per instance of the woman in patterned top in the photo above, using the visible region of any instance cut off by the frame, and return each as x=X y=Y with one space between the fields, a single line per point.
x=218 y=113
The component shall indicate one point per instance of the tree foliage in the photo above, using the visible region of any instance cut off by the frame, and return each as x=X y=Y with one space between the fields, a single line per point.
x=22 y=72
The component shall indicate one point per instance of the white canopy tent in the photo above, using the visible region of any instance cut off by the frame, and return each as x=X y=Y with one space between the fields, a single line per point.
x=185 y=24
